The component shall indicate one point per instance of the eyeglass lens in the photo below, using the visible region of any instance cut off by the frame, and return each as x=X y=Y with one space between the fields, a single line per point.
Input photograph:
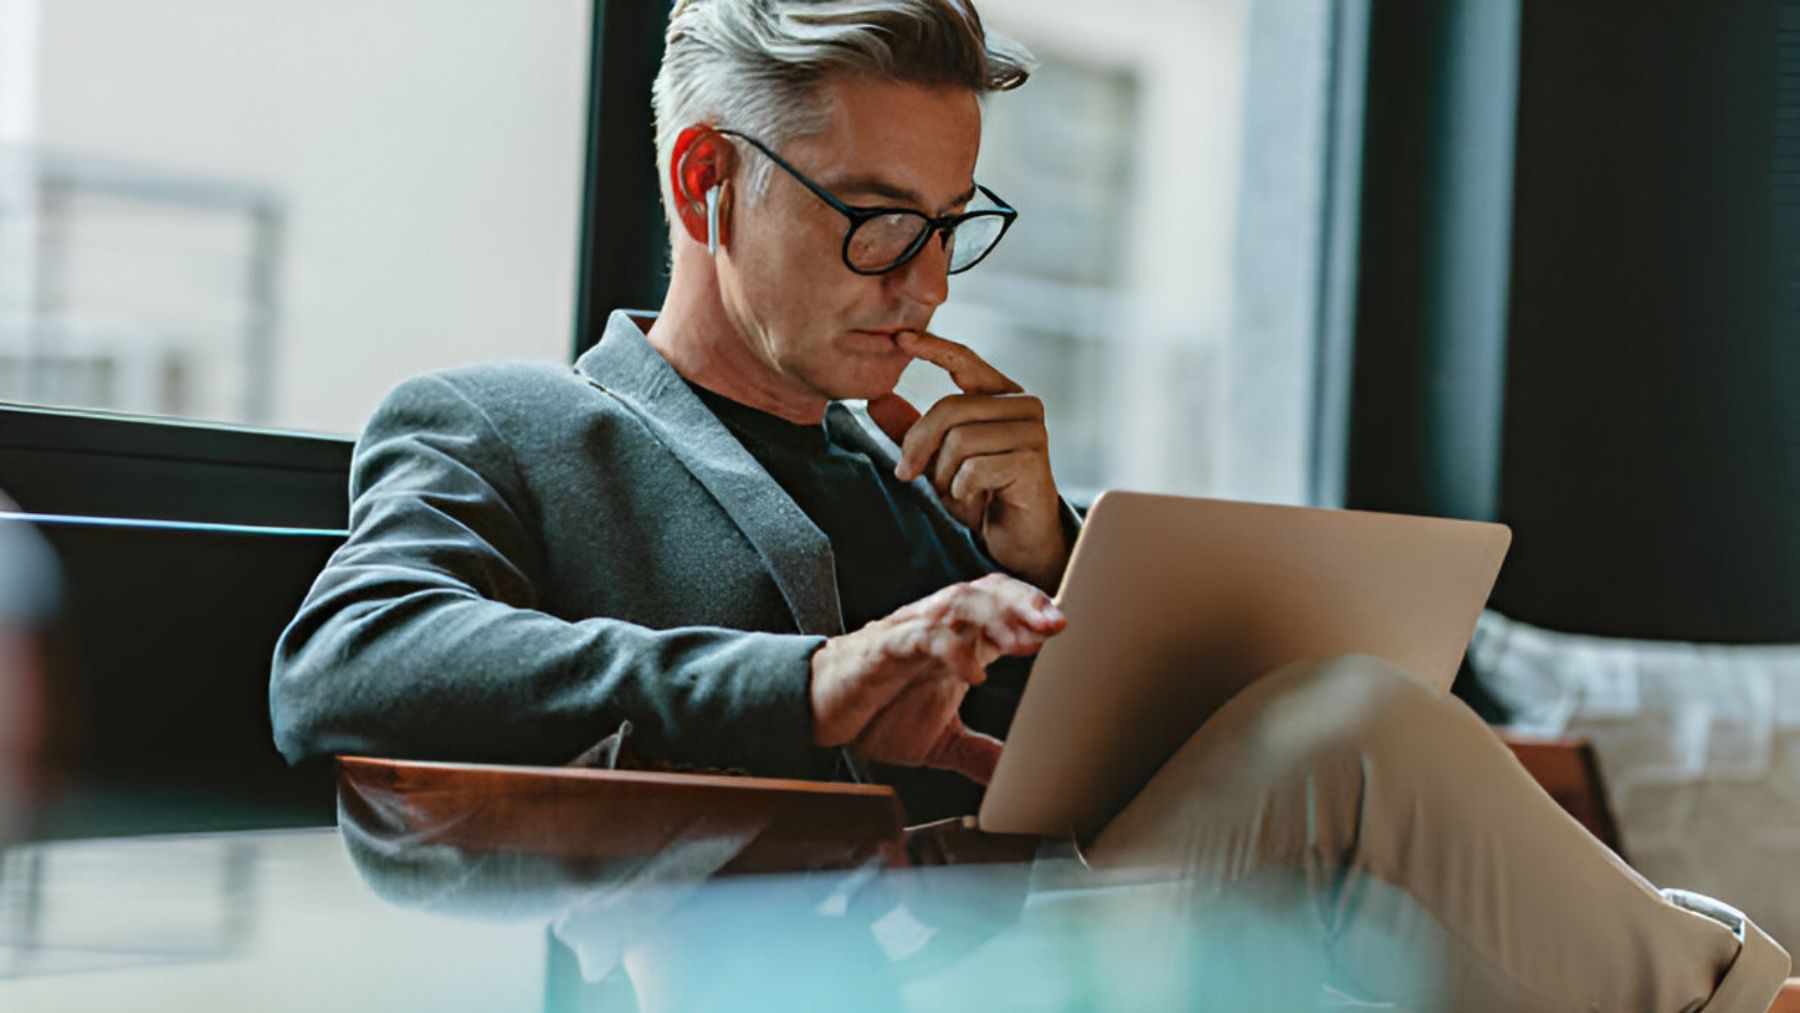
x=973 y=239
x=881 y=242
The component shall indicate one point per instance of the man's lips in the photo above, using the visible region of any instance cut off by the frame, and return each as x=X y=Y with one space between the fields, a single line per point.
x=886 y=335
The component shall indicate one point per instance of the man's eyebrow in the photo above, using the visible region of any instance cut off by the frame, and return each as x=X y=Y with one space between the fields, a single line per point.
x=876 y=187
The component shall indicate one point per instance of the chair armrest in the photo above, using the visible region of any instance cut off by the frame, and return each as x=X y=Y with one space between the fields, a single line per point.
x=583 y=813
x=1567 y=769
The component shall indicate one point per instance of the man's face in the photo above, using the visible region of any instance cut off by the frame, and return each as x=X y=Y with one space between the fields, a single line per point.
x=816 y=323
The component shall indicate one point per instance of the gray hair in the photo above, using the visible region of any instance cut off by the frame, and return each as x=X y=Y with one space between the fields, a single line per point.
x=757 y=65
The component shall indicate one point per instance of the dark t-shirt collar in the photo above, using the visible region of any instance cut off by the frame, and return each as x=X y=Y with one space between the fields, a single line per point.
x=761 y=425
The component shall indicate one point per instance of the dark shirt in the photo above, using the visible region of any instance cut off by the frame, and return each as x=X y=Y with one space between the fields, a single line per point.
x=887 y=554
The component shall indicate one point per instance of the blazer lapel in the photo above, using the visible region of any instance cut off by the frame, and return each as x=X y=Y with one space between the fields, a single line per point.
x=625 y=365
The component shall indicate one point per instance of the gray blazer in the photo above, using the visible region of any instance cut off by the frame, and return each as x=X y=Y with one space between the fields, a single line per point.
x=538 y=552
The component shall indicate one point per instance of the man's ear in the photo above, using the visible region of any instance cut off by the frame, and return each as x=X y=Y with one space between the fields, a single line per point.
x=700 y=160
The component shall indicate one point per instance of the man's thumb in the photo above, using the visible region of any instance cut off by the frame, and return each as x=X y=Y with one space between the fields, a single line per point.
x=971 y=754
x=893 y=414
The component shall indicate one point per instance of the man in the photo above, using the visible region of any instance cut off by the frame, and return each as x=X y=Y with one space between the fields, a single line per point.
x=694 y=532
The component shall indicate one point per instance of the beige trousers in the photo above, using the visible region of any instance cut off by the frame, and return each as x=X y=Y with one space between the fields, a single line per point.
x=1422 y=859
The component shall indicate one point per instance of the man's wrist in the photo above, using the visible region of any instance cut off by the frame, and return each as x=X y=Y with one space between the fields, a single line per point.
x=1047 y=576
x=825 y=763
x=822 y=683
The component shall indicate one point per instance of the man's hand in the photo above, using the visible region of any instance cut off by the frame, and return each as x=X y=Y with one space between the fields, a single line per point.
x=892 y=689
x=988 y=456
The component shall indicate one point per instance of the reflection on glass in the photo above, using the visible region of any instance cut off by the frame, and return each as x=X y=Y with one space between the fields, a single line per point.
x=76 y=909
x=674 y=930
x=30 y=589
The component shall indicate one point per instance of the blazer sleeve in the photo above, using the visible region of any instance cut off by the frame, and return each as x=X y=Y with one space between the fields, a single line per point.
x=423 y=637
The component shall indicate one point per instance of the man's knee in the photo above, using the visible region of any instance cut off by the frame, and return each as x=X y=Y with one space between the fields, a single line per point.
x=1290 y=757
x=1336 y=740
x=1349 y=697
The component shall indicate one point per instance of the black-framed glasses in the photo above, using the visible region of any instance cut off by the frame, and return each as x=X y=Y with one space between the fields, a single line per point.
x=881 y=239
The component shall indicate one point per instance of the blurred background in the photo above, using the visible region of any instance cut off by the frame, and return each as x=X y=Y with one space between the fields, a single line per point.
x=1514 y=260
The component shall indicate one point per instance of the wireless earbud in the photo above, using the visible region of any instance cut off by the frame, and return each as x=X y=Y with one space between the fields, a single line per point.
x=712 y=219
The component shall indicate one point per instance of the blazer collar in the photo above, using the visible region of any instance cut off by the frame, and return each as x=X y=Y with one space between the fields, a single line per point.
x=625 y=365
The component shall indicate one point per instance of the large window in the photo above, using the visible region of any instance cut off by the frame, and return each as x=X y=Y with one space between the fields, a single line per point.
x=1164 y=288
x=269 y=212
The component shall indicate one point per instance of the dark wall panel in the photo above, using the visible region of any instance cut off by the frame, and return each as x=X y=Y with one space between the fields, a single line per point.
x=1650 y=411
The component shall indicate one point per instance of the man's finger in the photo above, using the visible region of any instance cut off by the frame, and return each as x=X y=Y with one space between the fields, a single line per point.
x=1023 y=641
x=978 y=479
x=856 y=676
x=996 y=626
x=1009 y=614
x=970 y=372
x=1014 y=616
x=960 y=653
x=929 y=432
x=970 y=514
x=981 y=439
x=894 y=414
x=971 y=754
x=907 y=729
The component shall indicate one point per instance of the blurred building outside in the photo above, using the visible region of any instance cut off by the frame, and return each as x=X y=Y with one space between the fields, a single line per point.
x=255 y=211
x=1160 y=289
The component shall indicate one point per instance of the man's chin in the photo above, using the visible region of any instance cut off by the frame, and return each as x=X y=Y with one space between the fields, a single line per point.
x=864 y=384
x=866 y=390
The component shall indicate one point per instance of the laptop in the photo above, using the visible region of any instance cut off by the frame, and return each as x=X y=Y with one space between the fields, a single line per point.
x=1175 y=604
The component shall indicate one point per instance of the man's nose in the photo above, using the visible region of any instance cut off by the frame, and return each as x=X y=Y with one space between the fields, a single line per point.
x=925 y=279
